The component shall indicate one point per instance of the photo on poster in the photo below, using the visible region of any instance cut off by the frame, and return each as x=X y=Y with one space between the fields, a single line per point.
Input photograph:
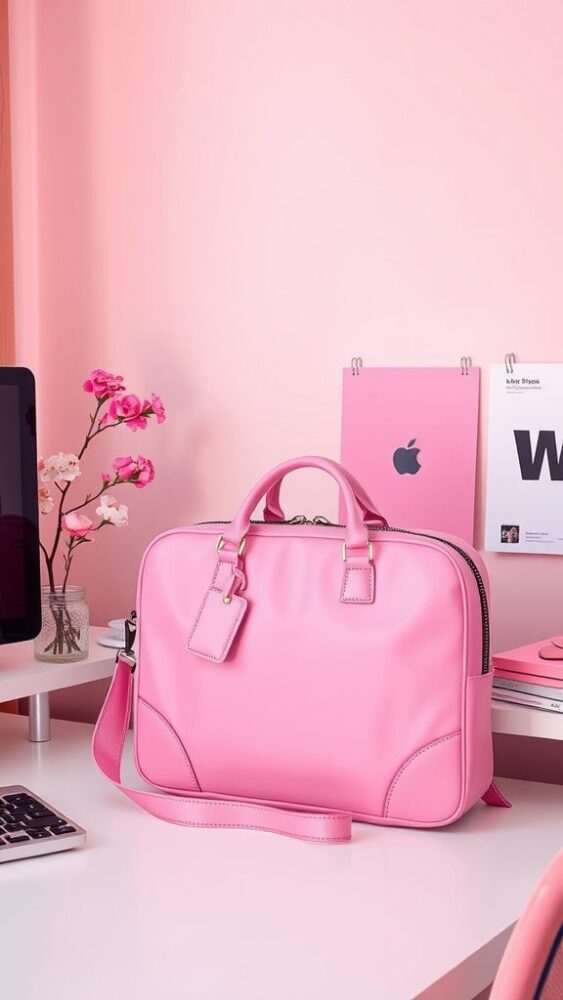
x=525 y=459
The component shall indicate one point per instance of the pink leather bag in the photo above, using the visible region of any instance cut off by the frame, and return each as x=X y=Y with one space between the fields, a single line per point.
x=293 y=677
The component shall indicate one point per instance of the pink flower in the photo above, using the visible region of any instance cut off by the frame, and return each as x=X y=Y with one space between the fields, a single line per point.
x=139 y=471
x=76 y=525
x=157 y=407
x=103 y=384
x=61 y=467
x=46 y=502
x=125 y=467
x=129 y=410
x=106 y=477
x=112 y=512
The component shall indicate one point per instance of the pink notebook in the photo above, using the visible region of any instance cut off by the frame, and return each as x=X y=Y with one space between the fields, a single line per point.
x=410 y=436
x=525 y=664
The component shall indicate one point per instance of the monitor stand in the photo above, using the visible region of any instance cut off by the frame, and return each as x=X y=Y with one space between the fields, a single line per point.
x=39 y=717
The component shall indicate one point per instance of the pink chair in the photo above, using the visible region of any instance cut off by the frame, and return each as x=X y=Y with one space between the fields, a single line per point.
x=532 y=965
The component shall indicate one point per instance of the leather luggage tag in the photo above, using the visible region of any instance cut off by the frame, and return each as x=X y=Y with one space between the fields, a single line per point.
x=216 y=625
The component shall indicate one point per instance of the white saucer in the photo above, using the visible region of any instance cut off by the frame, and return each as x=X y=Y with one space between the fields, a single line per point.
x=110 y=640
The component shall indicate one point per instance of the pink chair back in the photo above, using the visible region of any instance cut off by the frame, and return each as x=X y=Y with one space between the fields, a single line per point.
x=532 y=965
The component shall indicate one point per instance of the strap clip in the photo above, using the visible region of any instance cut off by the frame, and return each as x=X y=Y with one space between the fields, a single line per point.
x=219 y=544
x=127 y=653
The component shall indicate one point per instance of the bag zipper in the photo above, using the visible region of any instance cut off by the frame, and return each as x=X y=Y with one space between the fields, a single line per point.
x=485 y=620
x=300 y=519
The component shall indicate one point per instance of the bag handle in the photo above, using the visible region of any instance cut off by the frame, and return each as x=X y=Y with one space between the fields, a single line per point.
x=273 y=510
x=356 y=530
x=195 y=809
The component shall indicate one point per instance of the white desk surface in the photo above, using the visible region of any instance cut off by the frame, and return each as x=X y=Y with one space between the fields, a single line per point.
x=151 y=910
x=21 y=674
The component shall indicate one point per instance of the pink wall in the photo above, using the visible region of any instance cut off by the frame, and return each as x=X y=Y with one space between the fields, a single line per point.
x=227 y=200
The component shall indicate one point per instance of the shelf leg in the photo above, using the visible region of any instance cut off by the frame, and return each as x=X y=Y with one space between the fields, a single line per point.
x=39 y=718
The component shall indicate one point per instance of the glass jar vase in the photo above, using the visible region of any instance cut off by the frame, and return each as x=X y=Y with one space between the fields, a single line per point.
x=64 y=625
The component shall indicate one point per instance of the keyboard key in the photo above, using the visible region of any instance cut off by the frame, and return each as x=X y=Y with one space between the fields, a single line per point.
x=20 y=797
x=38 y=823
x=64 y=829
x=16 y=838
x=13 y=827
x=38 y=834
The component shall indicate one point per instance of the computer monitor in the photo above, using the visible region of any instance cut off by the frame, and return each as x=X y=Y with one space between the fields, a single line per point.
x=20 y=587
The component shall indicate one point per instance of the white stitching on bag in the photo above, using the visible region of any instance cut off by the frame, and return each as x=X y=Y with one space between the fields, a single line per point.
x=357 y=600
x=201 y=652
x=411 y=759
x=181 y=746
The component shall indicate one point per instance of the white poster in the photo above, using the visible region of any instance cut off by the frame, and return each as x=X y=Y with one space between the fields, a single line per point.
x=525 y=462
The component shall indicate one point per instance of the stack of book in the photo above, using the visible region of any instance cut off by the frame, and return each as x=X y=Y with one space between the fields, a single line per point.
x=524 y=678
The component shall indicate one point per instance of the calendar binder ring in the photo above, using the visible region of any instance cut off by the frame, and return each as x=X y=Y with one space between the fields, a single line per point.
x=465 y=364
x=509 y=362
x=357 y=363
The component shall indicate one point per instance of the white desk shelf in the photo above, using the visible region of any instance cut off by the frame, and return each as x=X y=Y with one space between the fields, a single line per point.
x=22 y=676
x=396 y=914
x=521 y=720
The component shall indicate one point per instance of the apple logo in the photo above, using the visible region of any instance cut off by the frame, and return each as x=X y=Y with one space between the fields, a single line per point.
x=406 y=461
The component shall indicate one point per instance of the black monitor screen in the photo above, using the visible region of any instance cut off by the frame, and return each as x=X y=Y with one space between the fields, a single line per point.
x=20 y=594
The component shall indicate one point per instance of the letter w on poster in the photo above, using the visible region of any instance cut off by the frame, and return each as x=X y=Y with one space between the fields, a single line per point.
x=525 y=461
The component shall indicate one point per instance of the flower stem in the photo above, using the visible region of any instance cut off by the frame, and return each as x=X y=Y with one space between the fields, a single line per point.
x=96 y=496
x=49 y=564
x=64 y=489
x=73 y=544
x=68 y=563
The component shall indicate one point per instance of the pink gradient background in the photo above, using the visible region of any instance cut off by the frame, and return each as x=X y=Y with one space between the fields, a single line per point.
x=225 y=201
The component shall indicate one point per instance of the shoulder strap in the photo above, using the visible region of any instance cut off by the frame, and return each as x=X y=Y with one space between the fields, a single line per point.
x=212 y=810
x=194 y=809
